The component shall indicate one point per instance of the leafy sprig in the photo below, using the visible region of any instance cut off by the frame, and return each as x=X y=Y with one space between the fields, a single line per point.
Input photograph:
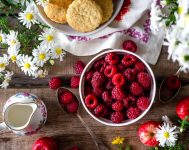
x=184 y=124
x=176 y=147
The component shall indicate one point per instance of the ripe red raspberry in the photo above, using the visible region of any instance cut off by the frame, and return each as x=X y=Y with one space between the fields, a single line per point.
x=173 y=82
x=122 y=67
x=129 y=60
x=129 y=100
x=98 y=79
x=100 y=65
x=74 y=83
x=130 y=46
x=118 y=93
x=55 y=83
x=89 y=75
x=136 y=89
x=117 y=117
x=144 y=79
x=67 y=97
x=110 y=71
x=118 y=79
x=112 y=58
x=72 y=107
x=109 y=85
x=91 y=101
x=88 y=89
x=143 y=103
x=118 y=106
x=107 y=97
x=79 y=67
x=140 y=67
x=133 y=112
x=130 y=74
x=74 y=148
x=101 y=111
x=98 y=92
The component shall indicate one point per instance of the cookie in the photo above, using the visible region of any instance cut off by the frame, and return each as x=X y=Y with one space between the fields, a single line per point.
x=84 y=15
x=107 y=8
x=63 y=3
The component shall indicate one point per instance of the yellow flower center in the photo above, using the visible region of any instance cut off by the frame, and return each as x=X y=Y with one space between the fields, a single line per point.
x=13 y=58
x=166 y=135
x=13 y=42
x=180 y=10
x=49 y=38
x=58 y=51
x=42 y=56
x=2 y=65
x=1 y=38
x=27 y=65
x=29 y=16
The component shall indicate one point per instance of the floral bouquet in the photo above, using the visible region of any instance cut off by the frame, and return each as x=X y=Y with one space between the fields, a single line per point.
x=28 y=43
x=172 y=16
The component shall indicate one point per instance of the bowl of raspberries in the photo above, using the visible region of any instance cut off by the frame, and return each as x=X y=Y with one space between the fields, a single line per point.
x=117 y=88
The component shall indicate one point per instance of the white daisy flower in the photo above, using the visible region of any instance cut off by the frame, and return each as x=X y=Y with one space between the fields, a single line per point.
x=49 y=37
x=4 y=61
x=8 y=75
x=28 y=65
x=167 y=135
x=4 y=84
x=57 y=52
x=183 y=7
x=41 y=73
x=41 y=55
x=42 y=3
x=12 y=40
x=2 y=37
x=28 y=17
x=14 y=55
x=7 y=78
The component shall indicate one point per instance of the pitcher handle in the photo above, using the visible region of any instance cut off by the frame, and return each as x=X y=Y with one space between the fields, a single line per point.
x=3 y=127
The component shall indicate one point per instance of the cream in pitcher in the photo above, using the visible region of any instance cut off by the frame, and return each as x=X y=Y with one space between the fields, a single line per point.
x=24 y=114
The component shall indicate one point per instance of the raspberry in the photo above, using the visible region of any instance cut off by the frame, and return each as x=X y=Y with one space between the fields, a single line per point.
x=112 y=58
x=129 y=60
x=74 y=148
x=72 y=107
x=130 y=46
x=88 y=76
x=122 y=67
x=67 y=97
x=88 y=89
x=173 y=82
x=110 y=71
x=109 y=85
x=118 y=93
x=136 y=89
x=55 y=83
x=117 y=117
x=118 y=106
x=144 y=79
x=118 y=79
x=79 y=67
x=98 y=79
x=133 y=112
x=140 y=67
x=100 y=65
x=101 y=111
x=74 y=83
x=130 y=74
x=129 y=100
x=143 y=103
x=98 y=92
x=91 y=101
x=107 y=97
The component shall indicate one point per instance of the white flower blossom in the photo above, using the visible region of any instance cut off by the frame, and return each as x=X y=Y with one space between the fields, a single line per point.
x=12 y=40
x=41 y=73
x=14 y=55
x=2 y=37
x=3 y=62
x=7 y=78
x=57 y=52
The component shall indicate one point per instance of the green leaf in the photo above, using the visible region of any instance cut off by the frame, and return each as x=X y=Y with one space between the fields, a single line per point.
x=186 y=58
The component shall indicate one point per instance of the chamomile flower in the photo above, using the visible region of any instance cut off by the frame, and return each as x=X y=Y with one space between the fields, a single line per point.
x=41 y=55
x=49 y=37
x=12 y=40
x=3 y=62
x=7 y=78
x=41 y=73
x=2 y=37
x=14 y=55
x=28 y=17
x=28 y=65
x=57 y=52
x=167 y=135
x=42 y=3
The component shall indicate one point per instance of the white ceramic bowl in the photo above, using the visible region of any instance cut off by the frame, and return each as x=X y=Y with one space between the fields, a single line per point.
x=106 y=121
x=66 y=29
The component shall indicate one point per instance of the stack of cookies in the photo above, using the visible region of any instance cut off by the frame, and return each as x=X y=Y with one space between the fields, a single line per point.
x=81 y=15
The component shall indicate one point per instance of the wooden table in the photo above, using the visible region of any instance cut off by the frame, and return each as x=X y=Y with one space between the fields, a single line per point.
x=66 y=128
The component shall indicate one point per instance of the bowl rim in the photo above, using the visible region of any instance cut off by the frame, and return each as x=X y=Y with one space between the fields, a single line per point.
x=153 y=88
x=97 y=30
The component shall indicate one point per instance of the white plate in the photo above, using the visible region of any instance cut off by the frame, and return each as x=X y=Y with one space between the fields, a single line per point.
x=66 y=29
